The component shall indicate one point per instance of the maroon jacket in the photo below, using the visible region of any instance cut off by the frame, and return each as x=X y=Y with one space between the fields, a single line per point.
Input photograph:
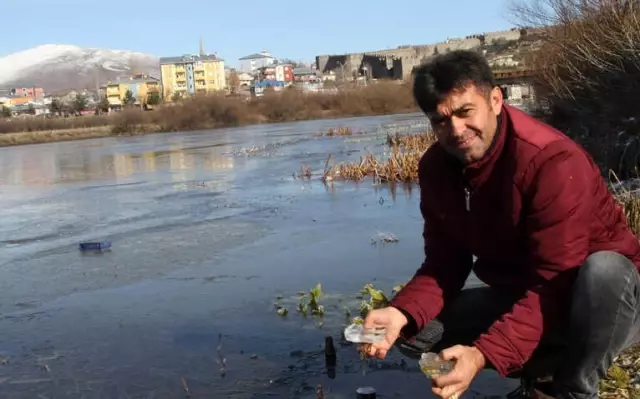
x=531 y=210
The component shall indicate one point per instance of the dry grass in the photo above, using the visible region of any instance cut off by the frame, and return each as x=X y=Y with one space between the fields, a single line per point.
x=40 y=123
x=341 y=131
x=215 y=111
x=629 y=200
x=9 y=139
x=400 y=166
x=588 y=69
x=631 y=204
x=622 y=379
x=50 y=136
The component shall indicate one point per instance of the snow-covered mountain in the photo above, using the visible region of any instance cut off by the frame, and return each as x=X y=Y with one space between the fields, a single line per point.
x=57 y=67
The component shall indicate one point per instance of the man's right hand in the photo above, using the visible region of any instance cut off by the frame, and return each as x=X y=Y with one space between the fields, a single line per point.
x=390 y=318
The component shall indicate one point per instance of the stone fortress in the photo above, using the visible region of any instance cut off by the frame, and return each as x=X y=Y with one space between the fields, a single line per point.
x=398 y=63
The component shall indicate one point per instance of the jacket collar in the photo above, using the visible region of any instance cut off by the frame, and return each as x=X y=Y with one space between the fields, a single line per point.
x=476 y=173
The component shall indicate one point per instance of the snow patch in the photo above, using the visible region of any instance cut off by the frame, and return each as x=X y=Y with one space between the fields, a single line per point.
x=19 y=65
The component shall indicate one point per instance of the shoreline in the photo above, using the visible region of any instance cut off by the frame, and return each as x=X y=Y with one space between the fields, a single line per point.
x=52 y=136
x=95 y=132
x=216 y=111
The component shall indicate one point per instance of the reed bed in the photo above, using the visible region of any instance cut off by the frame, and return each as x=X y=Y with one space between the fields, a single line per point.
x=400 y=166
x=630 y=202
x=340 y=131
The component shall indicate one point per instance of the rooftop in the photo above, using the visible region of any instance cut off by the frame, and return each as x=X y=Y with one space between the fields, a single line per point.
x=304 y=71
x=256 y=56
x=135 y=79
x=189 y=58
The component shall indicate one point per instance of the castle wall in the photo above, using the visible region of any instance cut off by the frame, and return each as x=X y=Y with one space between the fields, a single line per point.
x=398 y=63
x=505 y=35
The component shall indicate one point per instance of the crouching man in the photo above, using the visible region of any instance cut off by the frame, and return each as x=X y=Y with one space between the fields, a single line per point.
x=559 y=262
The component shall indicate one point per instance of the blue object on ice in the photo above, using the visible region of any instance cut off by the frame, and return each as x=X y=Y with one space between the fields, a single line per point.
x=94 y=245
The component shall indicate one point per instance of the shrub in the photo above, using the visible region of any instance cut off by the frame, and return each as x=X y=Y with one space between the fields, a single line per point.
x=588 y=68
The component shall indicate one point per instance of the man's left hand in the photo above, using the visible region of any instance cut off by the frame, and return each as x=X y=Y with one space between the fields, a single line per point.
x=469 y=362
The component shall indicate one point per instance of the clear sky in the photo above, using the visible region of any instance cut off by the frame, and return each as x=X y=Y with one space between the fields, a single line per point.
x=293 y=29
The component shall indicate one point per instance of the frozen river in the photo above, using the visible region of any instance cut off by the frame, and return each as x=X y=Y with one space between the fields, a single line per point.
x=208 y=229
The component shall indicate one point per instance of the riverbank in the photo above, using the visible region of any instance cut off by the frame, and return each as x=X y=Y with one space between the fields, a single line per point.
x=216 y=111
x=50 y=136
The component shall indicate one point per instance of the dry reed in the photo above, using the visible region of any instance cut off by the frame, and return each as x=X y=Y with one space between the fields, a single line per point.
x=400 y=166
x=629 y=200
x=341 y=131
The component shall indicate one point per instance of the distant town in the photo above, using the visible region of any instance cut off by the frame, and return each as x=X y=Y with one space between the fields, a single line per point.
x=203 y=73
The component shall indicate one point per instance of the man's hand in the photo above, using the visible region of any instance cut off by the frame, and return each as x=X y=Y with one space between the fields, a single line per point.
x=469 y=362
x=390 y=318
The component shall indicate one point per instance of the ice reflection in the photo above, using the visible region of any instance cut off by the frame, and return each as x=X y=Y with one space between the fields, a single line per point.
x=45 y=166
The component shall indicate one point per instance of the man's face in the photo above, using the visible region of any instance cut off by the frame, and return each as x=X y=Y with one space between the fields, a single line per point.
x=465 y=122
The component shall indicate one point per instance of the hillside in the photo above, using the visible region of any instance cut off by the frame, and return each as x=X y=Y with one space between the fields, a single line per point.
x=56 y=67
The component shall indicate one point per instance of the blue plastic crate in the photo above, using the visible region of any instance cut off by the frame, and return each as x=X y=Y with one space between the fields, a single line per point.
x=94 y=245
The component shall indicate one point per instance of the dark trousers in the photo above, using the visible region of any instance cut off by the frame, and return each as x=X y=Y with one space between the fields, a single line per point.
x=604 y=319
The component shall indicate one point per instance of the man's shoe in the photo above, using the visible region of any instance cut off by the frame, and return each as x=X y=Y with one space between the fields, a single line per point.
x=533 y=389
x=524 y=391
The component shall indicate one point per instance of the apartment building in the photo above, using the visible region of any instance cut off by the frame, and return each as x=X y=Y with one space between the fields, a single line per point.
x=253 y=62
x=140 y=85
x=192 y=74
x=33 y=93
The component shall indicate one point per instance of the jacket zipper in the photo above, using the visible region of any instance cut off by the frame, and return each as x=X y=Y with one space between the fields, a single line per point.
x=467 y=198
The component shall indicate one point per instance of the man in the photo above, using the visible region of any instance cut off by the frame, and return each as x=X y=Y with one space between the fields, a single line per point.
x=553 y=247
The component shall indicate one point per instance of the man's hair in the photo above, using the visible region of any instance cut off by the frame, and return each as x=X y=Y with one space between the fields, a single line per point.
x=447 y=72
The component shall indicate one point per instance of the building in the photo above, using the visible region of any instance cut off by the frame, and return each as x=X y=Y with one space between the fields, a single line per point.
x=141 y=86
x=284 y=72
x=267 y=73
x=258 y=88
x=279 y=72
x=252 y=63
x=246 y=80
x=66 y=98
x=15 y=101
x=33 y=93
x=192 y=74
x=305 y=75
x=30 y=109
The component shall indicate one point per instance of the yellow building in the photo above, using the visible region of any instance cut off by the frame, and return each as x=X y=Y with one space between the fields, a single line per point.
x=141 y=86
x=192 y=74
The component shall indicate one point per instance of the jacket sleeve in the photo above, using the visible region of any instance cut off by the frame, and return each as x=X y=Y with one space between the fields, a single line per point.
x=442 y=274
x=557 y=206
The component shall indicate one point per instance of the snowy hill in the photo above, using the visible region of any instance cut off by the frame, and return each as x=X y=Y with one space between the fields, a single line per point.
x=63 y=67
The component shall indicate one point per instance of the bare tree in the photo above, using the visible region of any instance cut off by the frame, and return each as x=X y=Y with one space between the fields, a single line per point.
x=588 y=68
x=234 y=82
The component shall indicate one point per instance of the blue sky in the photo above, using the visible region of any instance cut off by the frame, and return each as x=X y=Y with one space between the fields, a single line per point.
x=294 y=29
